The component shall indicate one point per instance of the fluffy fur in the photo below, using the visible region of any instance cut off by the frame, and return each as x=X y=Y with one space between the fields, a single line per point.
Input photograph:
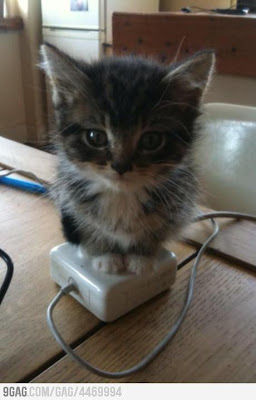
x=123 y=201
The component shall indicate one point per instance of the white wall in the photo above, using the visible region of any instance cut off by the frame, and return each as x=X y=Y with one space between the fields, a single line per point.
x=12 y=110
x=127 y=6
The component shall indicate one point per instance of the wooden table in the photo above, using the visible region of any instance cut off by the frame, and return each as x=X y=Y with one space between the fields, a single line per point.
x=216 y=343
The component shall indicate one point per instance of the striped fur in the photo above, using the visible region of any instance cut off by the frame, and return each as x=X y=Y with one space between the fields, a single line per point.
x=123 y=202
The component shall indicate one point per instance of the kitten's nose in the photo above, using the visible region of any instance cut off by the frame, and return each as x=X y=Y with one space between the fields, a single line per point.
x=121 y=168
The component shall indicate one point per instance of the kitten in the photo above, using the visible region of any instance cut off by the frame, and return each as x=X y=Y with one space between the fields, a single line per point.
x=125 y=127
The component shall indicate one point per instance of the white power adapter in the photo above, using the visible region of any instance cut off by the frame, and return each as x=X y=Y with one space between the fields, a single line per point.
x=108 y=296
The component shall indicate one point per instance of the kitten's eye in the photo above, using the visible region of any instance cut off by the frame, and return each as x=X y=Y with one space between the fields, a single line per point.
x=96 y=139
x=151 y=141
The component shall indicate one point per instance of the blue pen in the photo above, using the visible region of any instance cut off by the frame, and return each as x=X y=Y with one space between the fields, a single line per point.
x=25 y=185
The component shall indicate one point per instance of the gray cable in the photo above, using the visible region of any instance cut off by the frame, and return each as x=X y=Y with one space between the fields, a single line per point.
x=156 y=351
x=225 y=214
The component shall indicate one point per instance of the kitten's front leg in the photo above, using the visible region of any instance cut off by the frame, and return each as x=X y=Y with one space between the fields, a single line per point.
x=116 y=263
x=140 y=264
x=109 y=263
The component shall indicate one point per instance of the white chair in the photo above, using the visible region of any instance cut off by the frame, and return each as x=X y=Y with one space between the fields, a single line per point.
x=226 y=155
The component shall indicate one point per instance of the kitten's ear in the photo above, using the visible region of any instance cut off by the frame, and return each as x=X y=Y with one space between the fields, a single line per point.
x=64 y=74
x=192 y=77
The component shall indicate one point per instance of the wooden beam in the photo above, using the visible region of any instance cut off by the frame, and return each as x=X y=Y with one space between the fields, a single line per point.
x=11 y=24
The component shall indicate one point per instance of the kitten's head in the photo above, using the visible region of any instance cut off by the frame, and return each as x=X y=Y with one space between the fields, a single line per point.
x=125 y=120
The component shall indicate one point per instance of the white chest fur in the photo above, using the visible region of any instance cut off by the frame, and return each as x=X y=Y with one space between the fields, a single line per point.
x=119 y=217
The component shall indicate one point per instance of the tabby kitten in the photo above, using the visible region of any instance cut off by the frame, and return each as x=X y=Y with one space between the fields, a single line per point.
x=125 y=127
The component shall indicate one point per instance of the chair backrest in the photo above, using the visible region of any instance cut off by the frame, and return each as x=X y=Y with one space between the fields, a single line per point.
x=226 y=155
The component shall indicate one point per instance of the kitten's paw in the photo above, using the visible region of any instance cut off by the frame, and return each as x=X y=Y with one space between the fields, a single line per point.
x=140 y=265
x=109 y=263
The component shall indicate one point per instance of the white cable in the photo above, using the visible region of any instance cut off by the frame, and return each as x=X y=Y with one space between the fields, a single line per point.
x=225 y=214
x=155 y=352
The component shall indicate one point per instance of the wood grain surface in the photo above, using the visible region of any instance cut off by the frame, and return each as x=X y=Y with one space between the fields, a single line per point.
x=168 y=35
x=29 y=228
x=19 y=156
x=235 y=241
x=216 y=343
